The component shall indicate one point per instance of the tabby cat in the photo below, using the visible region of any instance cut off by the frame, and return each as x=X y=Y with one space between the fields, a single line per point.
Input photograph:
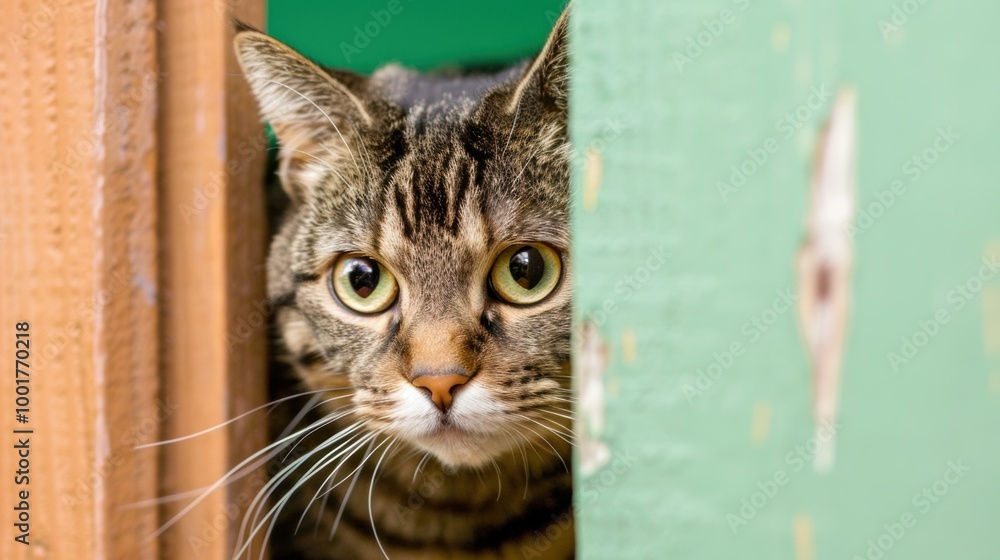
x=421 y=279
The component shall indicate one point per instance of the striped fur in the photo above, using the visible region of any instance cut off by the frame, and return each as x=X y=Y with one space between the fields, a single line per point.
x=433 y=176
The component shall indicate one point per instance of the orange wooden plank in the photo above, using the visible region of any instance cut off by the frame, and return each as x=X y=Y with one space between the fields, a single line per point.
x=214 y=238
x=79 y=265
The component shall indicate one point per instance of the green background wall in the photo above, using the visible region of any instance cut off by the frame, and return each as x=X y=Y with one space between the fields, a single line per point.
x=417 y=33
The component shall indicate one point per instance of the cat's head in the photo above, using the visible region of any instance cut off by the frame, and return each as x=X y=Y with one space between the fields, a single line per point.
x=424 y=261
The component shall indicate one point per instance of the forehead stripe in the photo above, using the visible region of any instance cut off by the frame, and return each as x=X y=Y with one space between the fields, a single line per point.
x=401 y=207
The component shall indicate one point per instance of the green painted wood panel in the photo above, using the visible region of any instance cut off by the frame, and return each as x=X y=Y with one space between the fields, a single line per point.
x=707 y=393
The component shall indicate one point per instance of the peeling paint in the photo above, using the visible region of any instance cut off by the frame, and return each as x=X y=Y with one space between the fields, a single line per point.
x=802 y=533
x=760 y=426
x=593 y=171
x=780 y=37
x=594 y=453
x=990 y=302
x=628 y=346
x=825 y=264
x=102 y=438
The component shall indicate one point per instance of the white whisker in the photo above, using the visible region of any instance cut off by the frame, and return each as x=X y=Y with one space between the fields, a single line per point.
x=262 y=496
x=371 y=487
x=347 y=496
x=221 y=482
x=230 y=421
x=420 y=465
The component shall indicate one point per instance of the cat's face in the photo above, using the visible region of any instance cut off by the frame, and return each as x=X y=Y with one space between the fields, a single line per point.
x=424 y=262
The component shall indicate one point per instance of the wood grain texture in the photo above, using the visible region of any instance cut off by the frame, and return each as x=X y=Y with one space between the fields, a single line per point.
x=79 y=262
x=214 y=235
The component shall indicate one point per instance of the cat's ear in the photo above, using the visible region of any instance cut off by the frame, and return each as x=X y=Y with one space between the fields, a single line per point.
x=548 y=74
x=295 y=95
x=305 y=105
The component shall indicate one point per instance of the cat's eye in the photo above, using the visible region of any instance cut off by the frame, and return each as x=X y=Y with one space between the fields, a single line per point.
x=525 y=273
x=362 y=284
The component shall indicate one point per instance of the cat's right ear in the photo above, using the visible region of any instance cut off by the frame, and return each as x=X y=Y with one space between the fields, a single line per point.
x=306 y=107
x=548 y=73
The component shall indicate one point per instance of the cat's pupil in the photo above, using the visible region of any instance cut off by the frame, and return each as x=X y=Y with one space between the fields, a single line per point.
x=527 y=267
x=363 y=274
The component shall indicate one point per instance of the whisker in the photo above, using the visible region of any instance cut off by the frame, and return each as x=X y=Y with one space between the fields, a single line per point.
x=517 y=111
x=230 y=421
x=320 y=426
x=524 y=457
x=272 y=484
x=547 y=411
x=164 y=499
x=532 y=158
x=371 y=488
x=260 y=500
x=347 y=496
x=316 y=495
x=359 y=466
x=420 y=465
x=546 y=442
x=561 y=409
x=499 y=482
x=217 y=484
x=299 y=416
x=556 y=432
x=530 y=443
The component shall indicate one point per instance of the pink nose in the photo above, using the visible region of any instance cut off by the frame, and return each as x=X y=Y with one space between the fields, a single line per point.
x=440 y=387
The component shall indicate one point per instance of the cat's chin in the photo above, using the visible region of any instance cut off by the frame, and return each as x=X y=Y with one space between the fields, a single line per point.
x=457 y=448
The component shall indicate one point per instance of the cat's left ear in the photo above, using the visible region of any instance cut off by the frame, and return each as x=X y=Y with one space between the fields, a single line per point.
x=295 y=95
x=548 y=74
x=306 y=106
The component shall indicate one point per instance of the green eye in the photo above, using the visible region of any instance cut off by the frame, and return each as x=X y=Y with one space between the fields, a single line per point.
x=525 y=273
x=362 y=284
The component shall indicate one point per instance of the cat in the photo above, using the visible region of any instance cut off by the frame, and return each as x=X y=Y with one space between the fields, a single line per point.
x=422 y=283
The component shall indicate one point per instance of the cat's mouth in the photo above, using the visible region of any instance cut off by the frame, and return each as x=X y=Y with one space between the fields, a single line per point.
x=455 y=445
x=466 y=434
x=449 y=431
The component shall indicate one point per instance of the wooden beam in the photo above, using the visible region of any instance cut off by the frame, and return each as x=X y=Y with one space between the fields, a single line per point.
x=78 y=249
x=213 y=228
